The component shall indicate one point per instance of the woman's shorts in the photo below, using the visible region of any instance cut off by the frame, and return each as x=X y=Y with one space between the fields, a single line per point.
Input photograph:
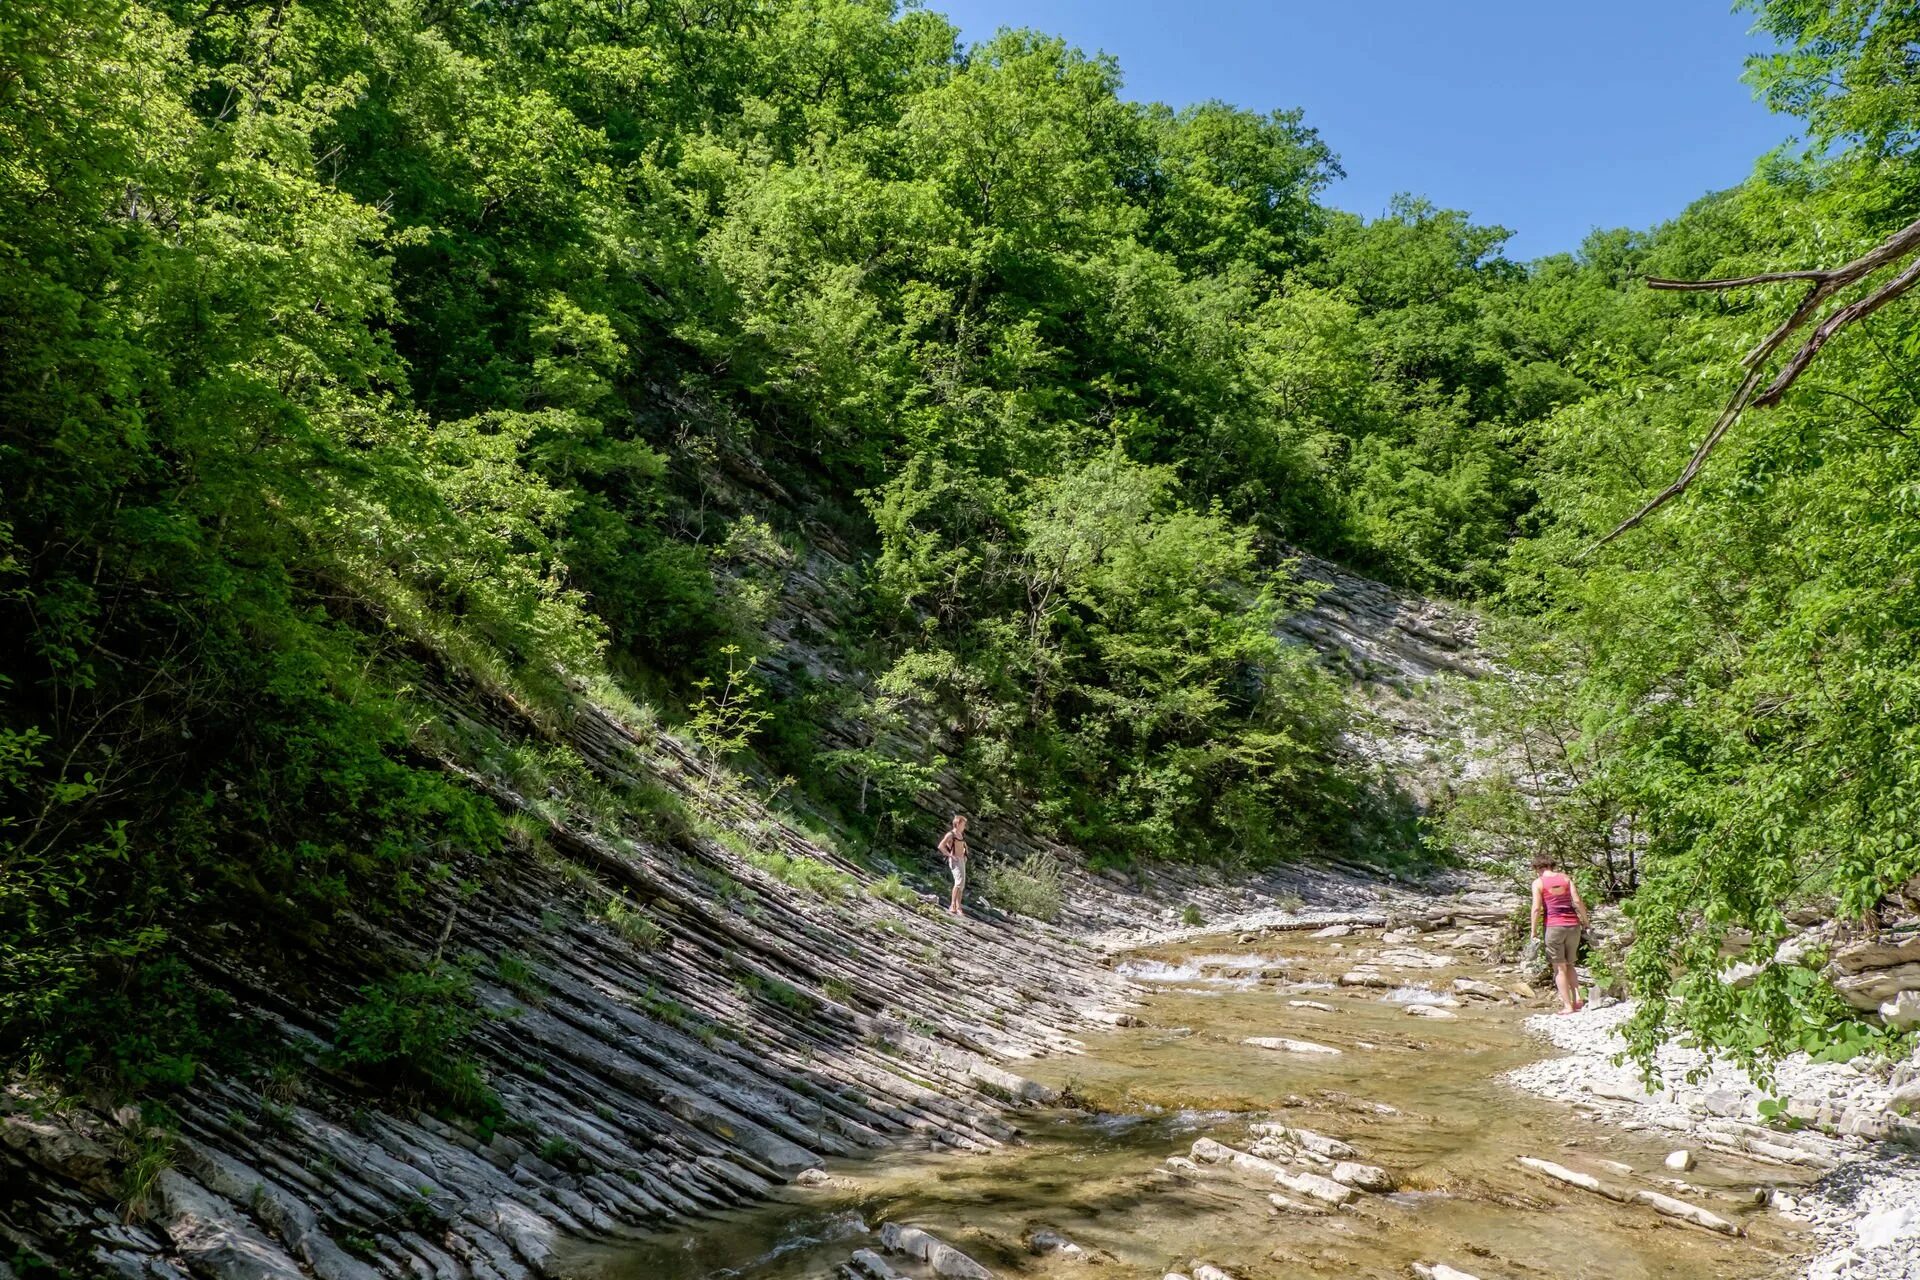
x=1563 y=943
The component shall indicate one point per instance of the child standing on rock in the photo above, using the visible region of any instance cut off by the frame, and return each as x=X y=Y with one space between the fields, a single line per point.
x=1556 y=895
x=954 y=846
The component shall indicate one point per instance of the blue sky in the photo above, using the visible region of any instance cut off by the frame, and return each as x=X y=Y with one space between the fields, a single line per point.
x=1547 y=117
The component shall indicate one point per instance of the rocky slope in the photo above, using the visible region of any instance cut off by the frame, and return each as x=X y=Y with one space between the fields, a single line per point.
x=672 y=1022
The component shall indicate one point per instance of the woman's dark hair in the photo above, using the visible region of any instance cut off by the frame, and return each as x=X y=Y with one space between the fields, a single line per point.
x=1544 y=861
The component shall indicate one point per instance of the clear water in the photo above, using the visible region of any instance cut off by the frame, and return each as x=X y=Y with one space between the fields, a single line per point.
x=1420 y=1097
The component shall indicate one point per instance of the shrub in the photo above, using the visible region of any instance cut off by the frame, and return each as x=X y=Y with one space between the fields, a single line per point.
x=803 y=873
x=892 y=890
x=405 y=1034
x=1034 y=887
x=1191 y=917
x=633 y=924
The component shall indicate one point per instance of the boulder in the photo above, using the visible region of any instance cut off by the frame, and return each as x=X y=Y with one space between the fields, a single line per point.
x=1367 y=1177
x=1902 y=1013
x=943 y=1258
x=1475 y=987
x=1680 y=1161
x=1430 y=1011
x=1334 y=931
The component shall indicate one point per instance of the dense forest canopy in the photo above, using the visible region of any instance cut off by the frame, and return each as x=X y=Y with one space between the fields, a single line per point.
x=345 y=340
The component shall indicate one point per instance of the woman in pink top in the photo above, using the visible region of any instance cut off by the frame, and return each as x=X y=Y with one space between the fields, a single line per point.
x=1556 y=895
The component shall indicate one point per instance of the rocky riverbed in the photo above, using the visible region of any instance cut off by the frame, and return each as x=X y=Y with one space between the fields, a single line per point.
x=1853 y=1122
x=1352 y=1099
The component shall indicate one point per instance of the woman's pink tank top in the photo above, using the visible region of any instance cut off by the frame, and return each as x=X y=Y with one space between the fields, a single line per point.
x=1556 y=891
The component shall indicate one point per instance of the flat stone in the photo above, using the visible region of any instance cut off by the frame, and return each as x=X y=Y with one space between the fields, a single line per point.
x=1883 y=951
x=1310 y=1004
x=1429 y=1011
x=1281 y=1044
x=1207 y=1151
x=1871 y=988
x=1475 y=987
x=1440 y=1271
x=1334 y=931
x=1287 y=1204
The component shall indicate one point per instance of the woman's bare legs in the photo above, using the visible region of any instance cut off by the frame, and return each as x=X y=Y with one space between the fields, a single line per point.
x=1565 y=980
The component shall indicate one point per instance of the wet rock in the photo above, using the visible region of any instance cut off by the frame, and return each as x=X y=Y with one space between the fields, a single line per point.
x=1207 y=1151
x=1312 y=1184
x=1680 y=1161
x=1367 y=1177
x=1207 y=1271
x=1366 y=978
x=1307 y=1140
x=812 y=1178
x=1287 y=1204
x=1429 y=1011
x=945 y=1260
x=1413 y=958
x=1440 y=1271
x=1281 y=1044
x=1044 y=1242
x=1475 y=987
x=1310 y=1004
x=868 y=1265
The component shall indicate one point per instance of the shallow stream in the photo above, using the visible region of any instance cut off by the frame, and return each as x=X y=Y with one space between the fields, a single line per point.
x=1420 y=1097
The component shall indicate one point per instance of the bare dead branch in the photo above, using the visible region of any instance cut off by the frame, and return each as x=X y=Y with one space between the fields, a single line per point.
x=1739 y=282
x=1833 y=324
x=1825 y=284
